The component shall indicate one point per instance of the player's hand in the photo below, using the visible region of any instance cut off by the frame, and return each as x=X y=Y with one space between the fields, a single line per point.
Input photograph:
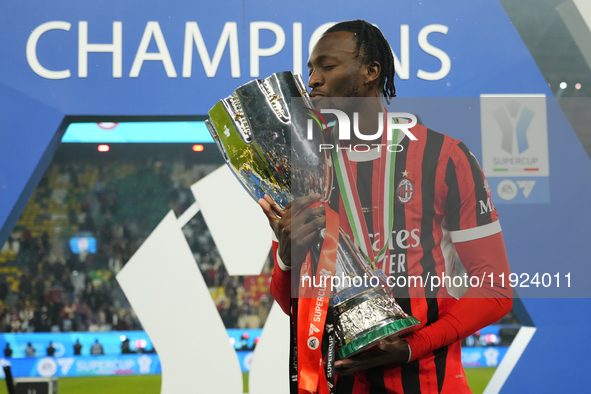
x=390 y=350
x=296 y=227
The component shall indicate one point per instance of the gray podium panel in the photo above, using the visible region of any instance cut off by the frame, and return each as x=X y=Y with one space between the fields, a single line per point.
x=35 y=385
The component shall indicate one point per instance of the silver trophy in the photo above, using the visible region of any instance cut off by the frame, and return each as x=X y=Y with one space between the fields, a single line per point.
x=264 y=142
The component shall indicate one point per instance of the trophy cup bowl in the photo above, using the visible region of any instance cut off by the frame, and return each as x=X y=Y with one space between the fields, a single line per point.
x=263 y=140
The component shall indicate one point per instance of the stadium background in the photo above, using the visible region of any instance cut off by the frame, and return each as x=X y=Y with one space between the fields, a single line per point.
x=73 y=216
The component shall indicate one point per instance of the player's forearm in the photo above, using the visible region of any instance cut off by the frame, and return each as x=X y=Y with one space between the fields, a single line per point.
x=466 y=317
x=479 y=306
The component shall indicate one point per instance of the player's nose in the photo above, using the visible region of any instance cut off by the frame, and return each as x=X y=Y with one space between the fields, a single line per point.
x=315 y=80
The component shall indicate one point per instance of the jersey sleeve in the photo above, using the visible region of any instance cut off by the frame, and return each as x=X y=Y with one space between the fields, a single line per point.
x=474 y=227
x=280 y=282
x=480 y=306
x=470 y=213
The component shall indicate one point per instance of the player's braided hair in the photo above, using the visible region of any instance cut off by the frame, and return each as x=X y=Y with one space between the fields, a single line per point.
x=373 y=47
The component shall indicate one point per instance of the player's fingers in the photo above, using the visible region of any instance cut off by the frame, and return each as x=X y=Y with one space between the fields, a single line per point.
x=304 y=242
x=386 y=346
x=313 y=225
x=316 y=211
x=392 y=338
x=301 y=202
x=348 y=366
x=274 y=206
x=390 y=344
x=308 y=214
x=308 y=234
x=346 y=363
x=271 y=216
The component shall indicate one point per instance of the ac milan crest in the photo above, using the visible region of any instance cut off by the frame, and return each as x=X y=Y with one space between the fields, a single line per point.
x=405 y=190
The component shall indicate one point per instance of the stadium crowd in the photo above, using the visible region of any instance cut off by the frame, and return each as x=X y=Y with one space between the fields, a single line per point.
x=46 y=286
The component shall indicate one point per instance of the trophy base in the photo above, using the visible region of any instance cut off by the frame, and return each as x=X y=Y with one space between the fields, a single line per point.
x=370 y=339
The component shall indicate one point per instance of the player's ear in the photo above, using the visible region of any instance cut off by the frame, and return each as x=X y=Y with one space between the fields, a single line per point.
x=373 y=71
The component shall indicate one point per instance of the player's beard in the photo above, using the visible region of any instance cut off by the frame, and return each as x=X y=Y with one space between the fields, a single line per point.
x=353 y=90
x=340 y=101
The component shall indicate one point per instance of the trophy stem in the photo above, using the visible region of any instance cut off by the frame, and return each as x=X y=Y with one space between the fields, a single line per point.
x=364 y=314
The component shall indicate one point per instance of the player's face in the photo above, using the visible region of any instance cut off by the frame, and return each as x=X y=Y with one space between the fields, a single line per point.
x=334 y=68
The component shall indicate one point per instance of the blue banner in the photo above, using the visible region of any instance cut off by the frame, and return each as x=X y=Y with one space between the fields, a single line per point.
x=144 y=364
x=127 y=364
x=64 y=363
x=137 y=132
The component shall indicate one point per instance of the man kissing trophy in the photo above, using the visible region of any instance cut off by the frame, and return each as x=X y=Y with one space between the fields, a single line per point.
x=262 y=130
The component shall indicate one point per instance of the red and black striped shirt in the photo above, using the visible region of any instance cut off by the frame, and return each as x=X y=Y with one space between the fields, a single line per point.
x=441 y=199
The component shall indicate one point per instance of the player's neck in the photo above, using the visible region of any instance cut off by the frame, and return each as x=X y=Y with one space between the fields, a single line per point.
x=368 y=121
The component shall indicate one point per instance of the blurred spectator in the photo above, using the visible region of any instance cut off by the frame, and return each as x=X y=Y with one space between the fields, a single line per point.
x=7 y=351
x=77 y=348
x=125 y=346
x=29 y=350
x=3 y=289
x=50 y=350
x=96 y=348
x=243 y=342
